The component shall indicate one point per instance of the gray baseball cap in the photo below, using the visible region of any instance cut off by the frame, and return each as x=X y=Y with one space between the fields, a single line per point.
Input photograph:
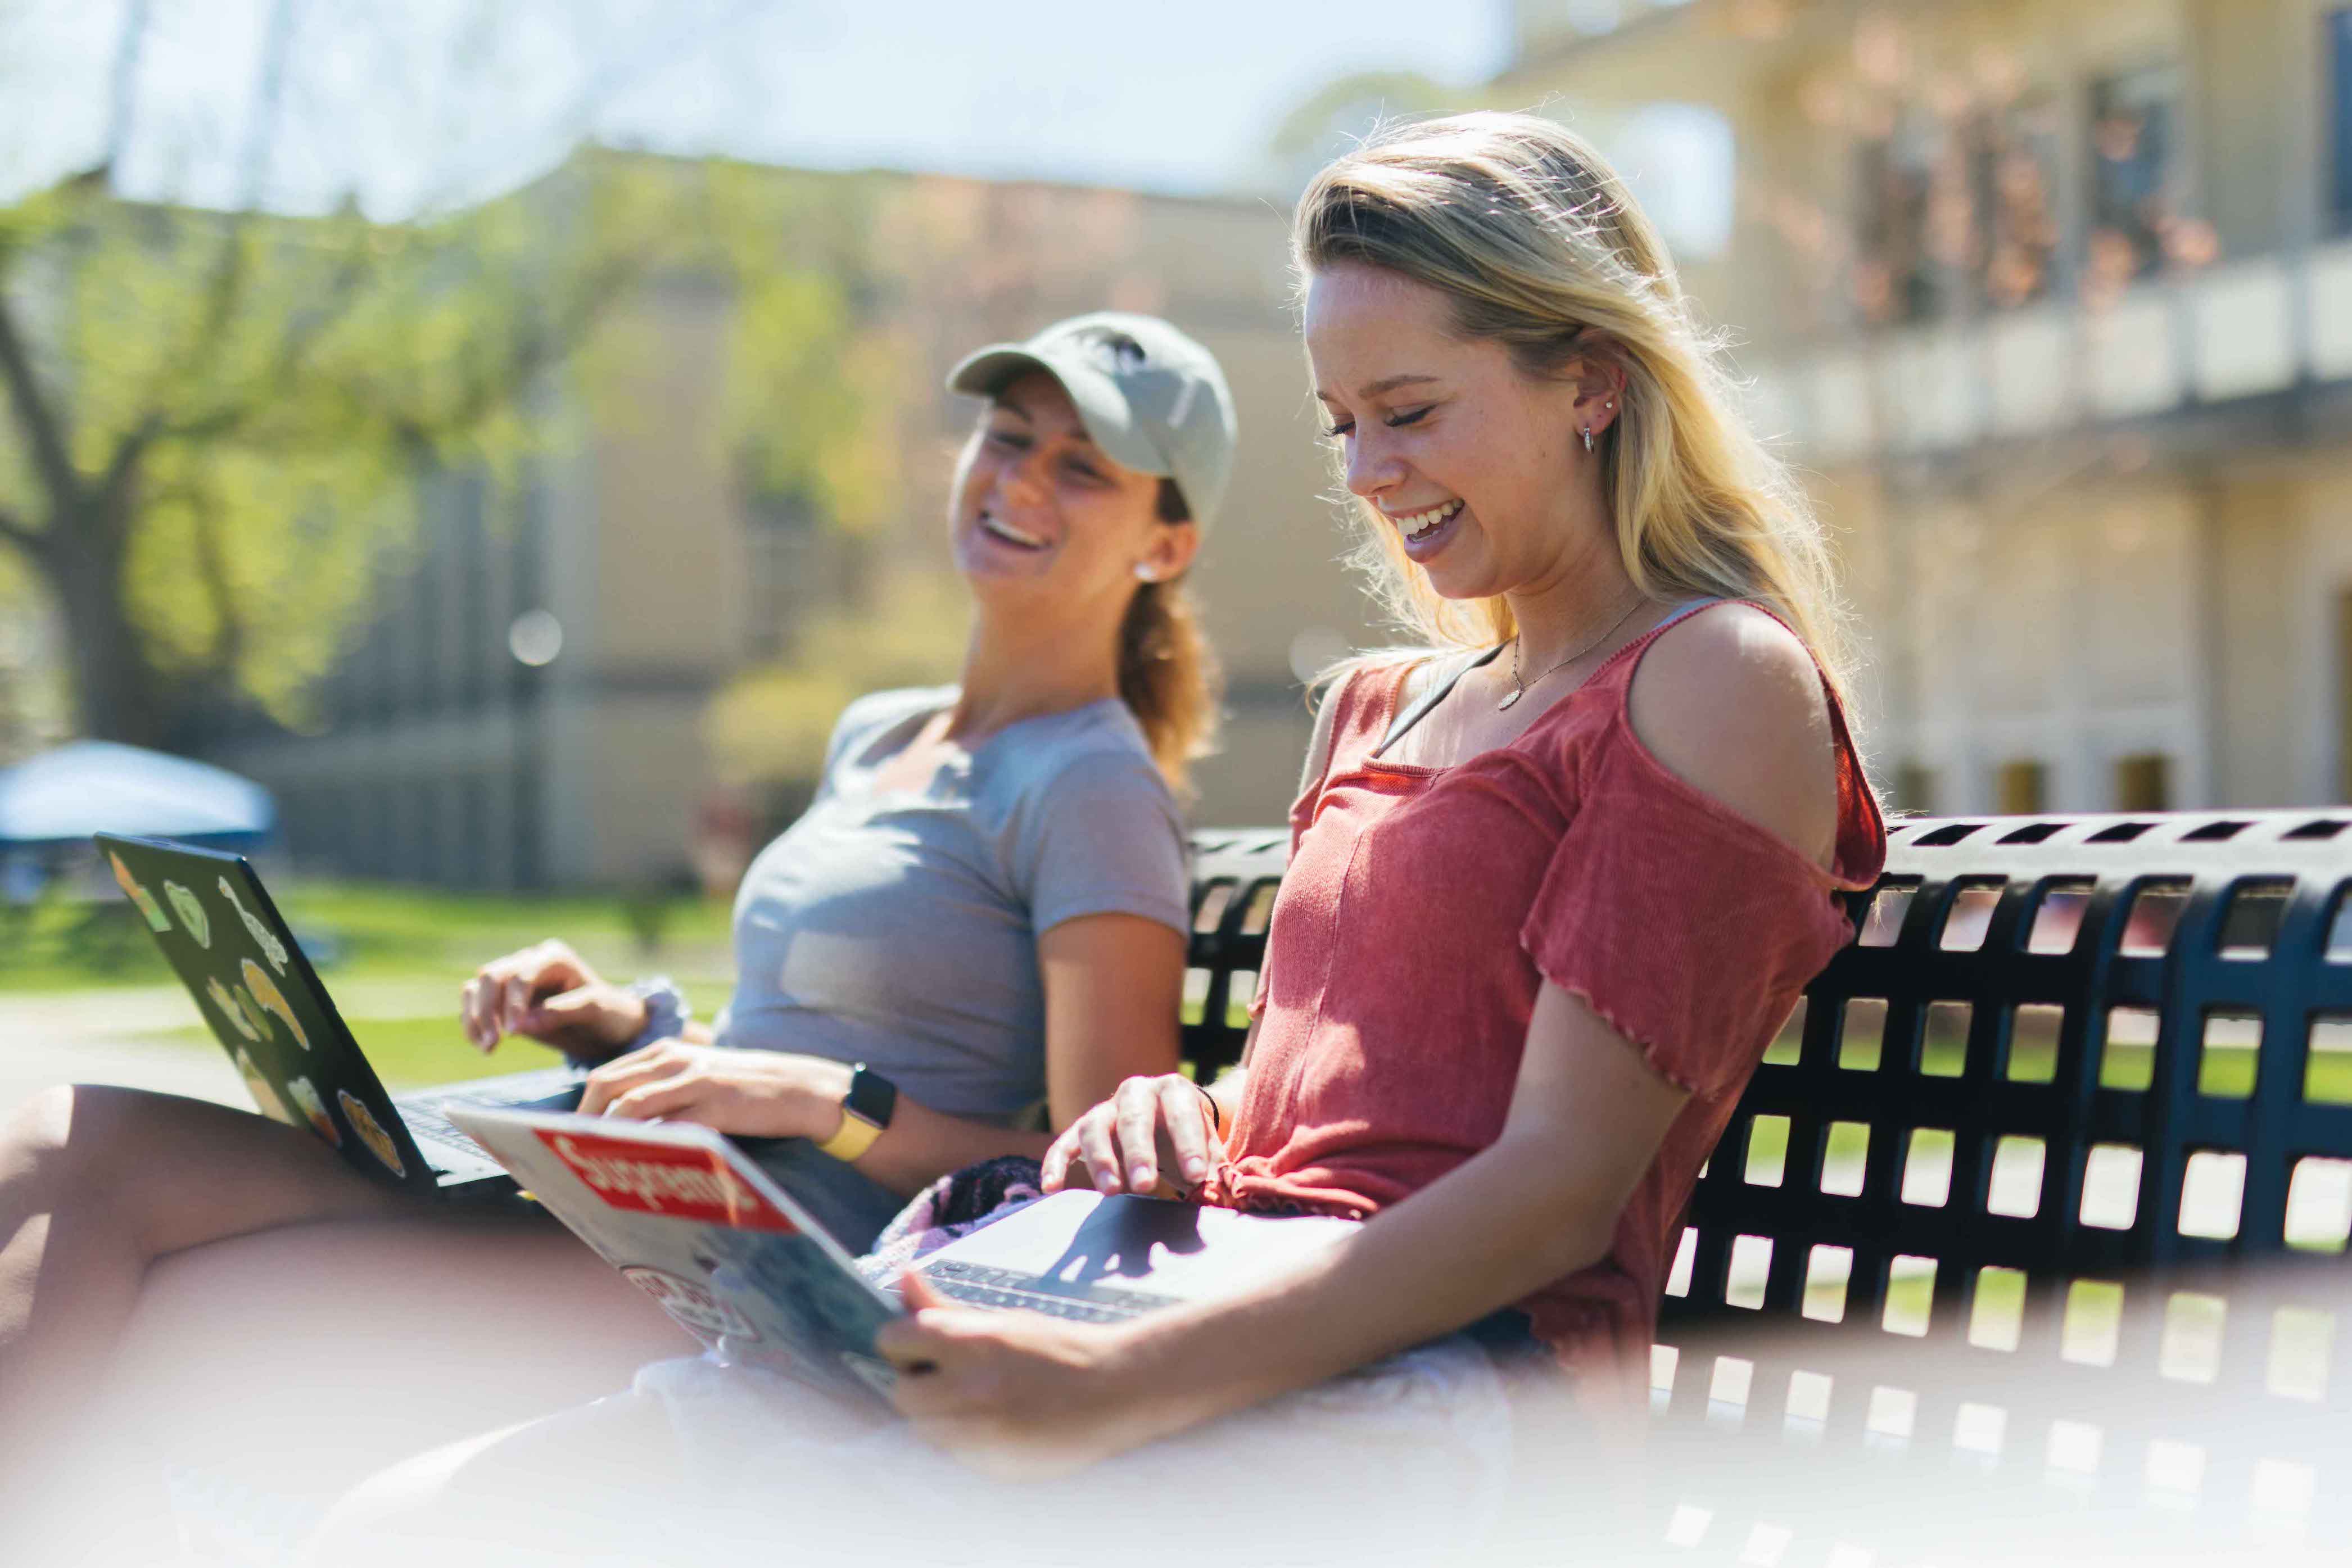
x=1152 y=399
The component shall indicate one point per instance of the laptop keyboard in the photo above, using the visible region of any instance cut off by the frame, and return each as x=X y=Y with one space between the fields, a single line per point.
x=432 y=1130
x=979 y=1285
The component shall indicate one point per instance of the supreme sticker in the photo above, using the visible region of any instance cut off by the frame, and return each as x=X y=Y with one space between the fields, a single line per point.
x=685 y=1184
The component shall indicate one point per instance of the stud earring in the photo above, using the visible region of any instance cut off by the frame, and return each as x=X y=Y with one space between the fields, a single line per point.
x=1143 y=573
x=1588 y=438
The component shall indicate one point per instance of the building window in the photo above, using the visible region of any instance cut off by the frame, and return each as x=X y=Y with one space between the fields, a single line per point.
x=2143 y=783
x=2134 y=173
x=2339 y=77
x=2016 y=179
x=1902 y=176
x=2022 y=788
x=1958 y=210
x=780 y=532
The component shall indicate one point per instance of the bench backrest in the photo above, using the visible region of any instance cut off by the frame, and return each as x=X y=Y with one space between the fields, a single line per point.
x=2062 y=1052
x=1234 y=875
x=2070 y=1069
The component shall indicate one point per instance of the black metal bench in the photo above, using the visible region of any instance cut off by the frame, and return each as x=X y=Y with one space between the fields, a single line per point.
x=1991 y=1199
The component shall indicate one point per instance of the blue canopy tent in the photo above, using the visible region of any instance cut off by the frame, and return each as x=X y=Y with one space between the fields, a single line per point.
x=50 y=805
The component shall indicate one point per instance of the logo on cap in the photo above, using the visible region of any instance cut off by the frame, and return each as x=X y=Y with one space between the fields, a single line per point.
x=1120 y=353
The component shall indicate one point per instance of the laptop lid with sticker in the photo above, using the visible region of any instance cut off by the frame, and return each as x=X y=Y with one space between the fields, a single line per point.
x=692 y=1220
x=217 y=928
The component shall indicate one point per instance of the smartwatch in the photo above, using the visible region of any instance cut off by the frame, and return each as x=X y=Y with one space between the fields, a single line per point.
x=865 y=1110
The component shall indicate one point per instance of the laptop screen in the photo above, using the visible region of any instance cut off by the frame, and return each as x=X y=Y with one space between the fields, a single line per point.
x=226 y=940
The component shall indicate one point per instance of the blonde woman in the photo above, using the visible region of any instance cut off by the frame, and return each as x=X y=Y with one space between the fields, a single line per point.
x=973 y=933
x=1551 y=895
x=1557 y=879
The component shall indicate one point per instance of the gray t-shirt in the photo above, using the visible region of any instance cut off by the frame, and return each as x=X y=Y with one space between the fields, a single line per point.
x=899 y=928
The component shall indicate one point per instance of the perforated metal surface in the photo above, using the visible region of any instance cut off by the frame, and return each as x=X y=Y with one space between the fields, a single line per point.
x=2053 y=935
x=2158 y=1008
x=2160 y=1014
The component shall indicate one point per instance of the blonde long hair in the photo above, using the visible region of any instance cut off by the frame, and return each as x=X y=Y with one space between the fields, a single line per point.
x=1540 y=246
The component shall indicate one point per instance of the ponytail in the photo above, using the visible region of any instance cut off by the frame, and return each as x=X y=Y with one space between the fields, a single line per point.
x=1167 y=672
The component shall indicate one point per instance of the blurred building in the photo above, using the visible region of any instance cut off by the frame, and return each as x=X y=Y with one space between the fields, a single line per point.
x=528 y=705
x=2053 y=298
x=2049 y=299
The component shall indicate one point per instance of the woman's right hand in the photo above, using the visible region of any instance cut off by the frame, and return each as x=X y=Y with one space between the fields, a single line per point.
x=1150 y=1126
x=548 y=993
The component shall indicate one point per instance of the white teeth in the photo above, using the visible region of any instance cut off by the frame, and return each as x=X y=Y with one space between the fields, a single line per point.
x=1005 y=530
x=1420 y=523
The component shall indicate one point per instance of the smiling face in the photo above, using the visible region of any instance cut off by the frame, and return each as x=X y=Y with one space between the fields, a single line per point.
x=1038 y=510
x=1478 y=469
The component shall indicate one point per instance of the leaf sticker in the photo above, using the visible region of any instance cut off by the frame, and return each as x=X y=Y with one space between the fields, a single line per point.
x=263 y=1094
x=372 y=1133
x=191 y=910
x=263 y=937
x=306 y=1097
x=254 y=1017
x=232 y=1010
x=271 y=999
x=156 y=919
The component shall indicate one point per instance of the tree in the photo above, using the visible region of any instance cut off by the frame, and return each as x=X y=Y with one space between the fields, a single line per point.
x=212 y=421
x=769 y=725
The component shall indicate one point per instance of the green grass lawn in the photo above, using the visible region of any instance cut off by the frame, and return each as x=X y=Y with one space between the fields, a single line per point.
x=416 y=1052
x=371 y=932
x=423 y=943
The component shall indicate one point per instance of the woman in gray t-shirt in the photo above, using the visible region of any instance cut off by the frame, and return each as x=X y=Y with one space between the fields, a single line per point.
x=985 y=907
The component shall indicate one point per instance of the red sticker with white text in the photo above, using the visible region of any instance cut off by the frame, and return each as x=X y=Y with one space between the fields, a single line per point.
x=683 y=1183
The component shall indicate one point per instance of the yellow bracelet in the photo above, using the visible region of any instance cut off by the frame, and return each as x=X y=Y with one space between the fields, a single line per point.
x=851 y=1138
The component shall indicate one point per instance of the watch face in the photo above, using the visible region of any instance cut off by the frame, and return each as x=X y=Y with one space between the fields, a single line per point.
x=872 y=1097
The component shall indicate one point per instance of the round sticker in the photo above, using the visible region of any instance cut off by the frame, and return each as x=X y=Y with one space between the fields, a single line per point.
x=263 y=937
x=231 y=1010
x=690 y=1301
x=371 y=1132
x=156 y=919
x=192 y=917
x=271 y=999
x=315 y=1109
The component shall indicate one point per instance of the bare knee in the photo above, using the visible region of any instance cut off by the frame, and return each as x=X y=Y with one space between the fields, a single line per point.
x=156 y=1168
x=39 y=1146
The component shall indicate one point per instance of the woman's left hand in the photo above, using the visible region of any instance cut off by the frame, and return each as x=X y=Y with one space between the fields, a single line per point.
x=1018 y=1394
x=751 y=1094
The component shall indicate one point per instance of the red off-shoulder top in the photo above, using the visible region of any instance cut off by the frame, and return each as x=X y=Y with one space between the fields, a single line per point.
x=1424 y=907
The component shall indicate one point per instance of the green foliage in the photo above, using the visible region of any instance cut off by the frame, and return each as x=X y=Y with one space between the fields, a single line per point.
x=247 y=404
x=771 y=723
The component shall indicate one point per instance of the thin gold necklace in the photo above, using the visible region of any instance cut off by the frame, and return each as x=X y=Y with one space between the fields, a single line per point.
x=1519 y=687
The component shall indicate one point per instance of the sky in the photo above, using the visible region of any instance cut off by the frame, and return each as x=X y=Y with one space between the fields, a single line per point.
x=410 y=104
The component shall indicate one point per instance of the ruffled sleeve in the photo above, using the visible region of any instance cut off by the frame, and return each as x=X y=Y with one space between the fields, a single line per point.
x=1677 y=920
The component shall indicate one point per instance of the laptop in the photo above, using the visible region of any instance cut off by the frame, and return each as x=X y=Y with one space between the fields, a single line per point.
x=224 y=937
x=688 y=1216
